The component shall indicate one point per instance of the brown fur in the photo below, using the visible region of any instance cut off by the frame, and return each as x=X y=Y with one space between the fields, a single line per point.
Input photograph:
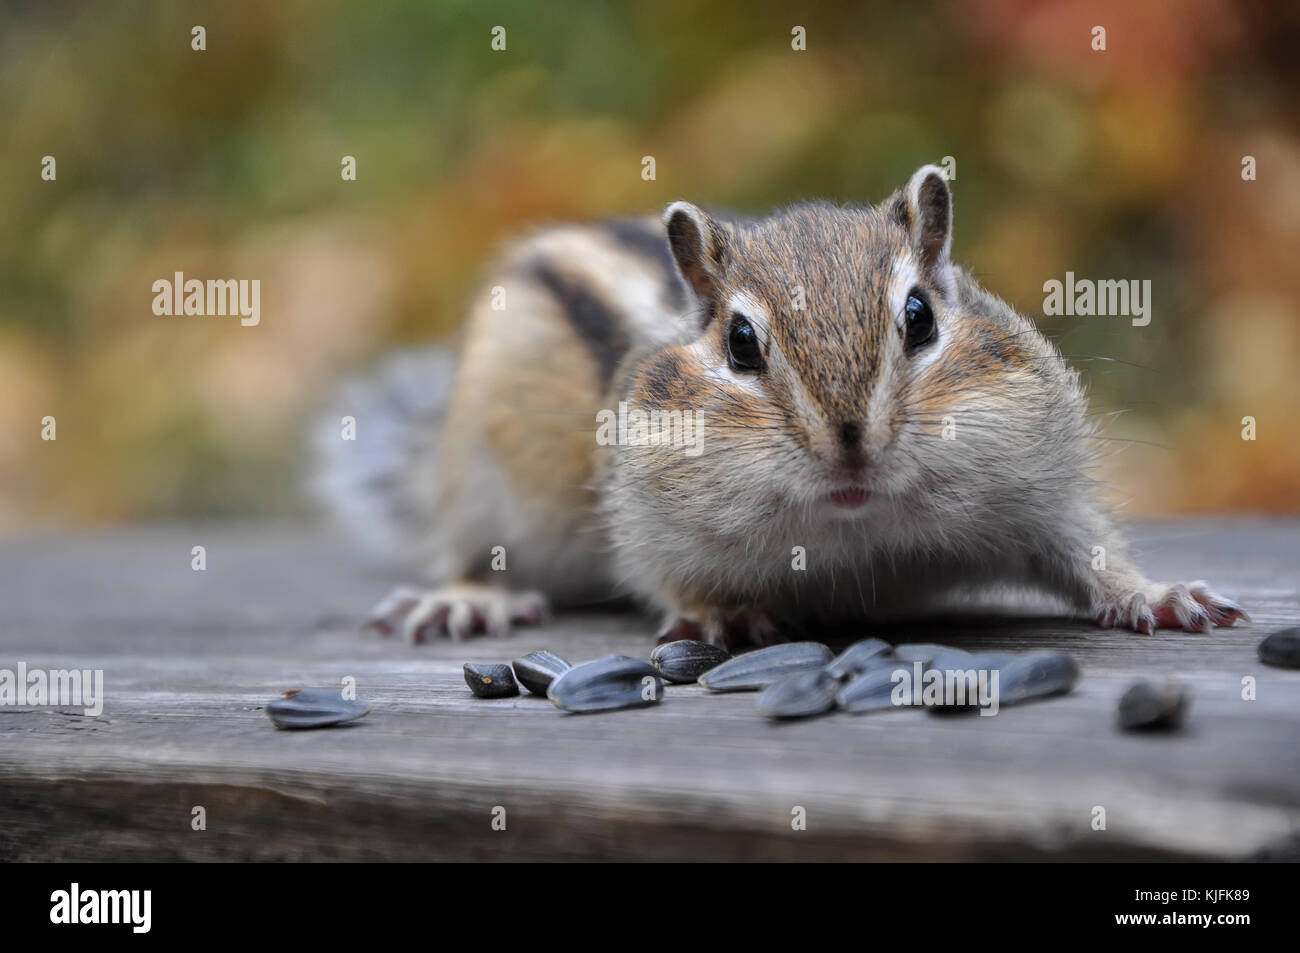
x=972 y=446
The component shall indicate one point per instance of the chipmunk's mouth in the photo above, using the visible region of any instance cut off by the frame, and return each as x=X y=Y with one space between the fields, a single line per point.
x=849 y=498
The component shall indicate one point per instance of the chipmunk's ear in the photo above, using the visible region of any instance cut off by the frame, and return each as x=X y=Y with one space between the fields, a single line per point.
x=699 y=244
x=924 y=209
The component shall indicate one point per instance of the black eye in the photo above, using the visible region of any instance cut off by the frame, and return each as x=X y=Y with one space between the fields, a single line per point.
x=742 y=345
x=918 y=321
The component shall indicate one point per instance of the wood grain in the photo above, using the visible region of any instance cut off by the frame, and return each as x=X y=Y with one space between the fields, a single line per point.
x=190 y=658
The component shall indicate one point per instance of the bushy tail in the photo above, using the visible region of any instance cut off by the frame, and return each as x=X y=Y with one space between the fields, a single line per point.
x=382 y=485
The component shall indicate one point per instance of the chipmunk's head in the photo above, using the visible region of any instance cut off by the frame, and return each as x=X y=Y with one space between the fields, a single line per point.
x=831 y=338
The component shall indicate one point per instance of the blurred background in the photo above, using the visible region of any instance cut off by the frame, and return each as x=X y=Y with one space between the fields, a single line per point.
x=226 y=164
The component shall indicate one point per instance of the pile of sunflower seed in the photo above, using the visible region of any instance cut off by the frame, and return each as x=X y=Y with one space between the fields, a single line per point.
x=795 y=680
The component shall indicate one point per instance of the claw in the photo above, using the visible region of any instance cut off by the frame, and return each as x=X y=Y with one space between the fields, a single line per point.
x=1190 y=607
x=457 y=612
x=1222 y=611
x=460 y=622
x=385 y=617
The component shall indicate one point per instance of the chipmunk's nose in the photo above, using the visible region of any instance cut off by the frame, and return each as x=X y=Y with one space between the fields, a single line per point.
x=850 y=455
x=842 y=447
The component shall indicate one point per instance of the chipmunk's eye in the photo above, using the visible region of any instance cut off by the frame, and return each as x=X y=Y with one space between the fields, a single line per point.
x=918 y=321
x=742 y=345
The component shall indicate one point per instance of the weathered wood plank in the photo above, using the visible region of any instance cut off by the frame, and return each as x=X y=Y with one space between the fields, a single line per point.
x=190 y=658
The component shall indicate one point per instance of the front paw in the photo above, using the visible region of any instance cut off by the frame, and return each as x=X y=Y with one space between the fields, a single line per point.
x=456 y=611
x=730 y=629
x=1191 y=607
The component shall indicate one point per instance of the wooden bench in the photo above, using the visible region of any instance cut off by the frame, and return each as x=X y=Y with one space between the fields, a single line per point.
x=190 y=658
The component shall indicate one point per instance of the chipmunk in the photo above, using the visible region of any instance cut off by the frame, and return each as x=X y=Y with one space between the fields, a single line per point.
x=875 y=431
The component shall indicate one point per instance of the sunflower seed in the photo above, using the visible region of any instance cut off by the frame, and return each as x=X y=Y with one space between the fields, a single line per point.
x=950 y=658
x=859 y=657
x=956 y=660
x=605 y=684
x=1282 y=648
x=799 y=695
x=490 y=680
x=537 y=670
x=762 y=667
x=1037 y=675
x=872 y=690
x=954 y=663
x=314 y=708
x=686 y=660
x=1146 y=705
